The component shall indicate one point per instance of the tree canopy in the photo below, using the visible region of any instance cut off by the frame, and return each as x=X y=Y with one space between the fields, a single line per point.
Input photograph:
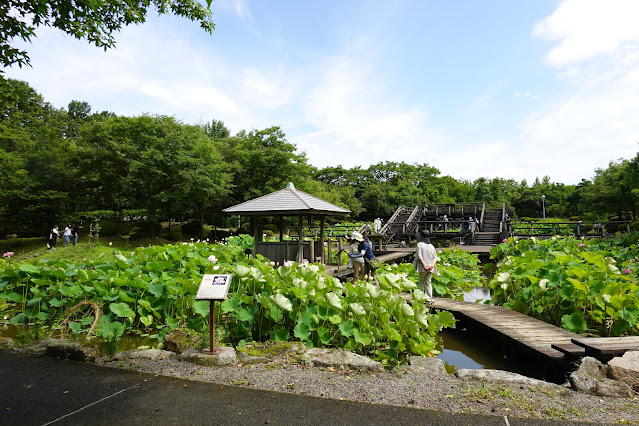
x=94 y=21
x=58 y=164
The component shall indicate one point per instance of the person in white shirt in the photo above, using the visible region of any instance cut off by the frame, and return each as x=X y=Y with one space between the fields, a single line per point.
x=67 y=235
x=425 y=263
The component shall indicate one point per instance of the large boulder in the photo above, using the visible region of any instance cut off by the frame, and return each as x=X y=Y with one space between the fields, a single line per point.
x=226 y=356
x=428 y=366
x=61 y=348
x=340 y=359
x=626 y=369
x=180 y=340
x=501 y=376
x=148 y=354
x=591 y=378
x=7 y=343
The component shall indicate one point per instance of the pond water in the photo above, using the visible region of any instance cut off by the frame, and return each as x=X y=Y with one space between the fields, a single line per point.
x=464 y=349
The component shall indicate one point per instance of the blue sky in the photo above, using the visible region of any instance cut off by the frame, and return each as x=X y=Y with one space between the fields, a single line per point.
x=511 y=89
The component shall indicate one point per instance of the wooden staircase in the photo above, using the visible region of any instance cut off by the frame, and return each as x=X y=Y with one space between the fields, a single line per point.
x=489 y=230
x=403 y=221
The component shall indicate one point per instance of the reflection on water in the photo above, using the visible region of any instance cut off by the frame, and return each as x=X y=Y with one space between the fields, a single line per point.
x=477 y=294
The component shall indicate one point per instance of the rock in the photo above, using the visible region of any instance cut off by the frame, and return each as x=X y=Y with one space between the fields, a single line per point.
x=150 y=354
x=591 y=378
x=225 y=357
x=587 y=376
x=625 y=369
x=260 y=353
x=423 y=365
x=501 y=376
x=7 y=343
x=613 y=389
x=180 y=340
x=61 y=348
x=340 y=359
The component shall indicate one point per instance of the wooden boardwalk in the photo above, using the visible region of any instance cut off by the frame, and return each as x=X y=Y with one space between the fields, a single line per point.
x=524 y=333
x=527 y=337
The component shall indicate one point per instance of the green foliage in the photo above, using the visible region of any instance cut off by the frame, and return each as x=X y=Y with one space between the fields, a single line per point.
x=578 y=284
x=152 y=290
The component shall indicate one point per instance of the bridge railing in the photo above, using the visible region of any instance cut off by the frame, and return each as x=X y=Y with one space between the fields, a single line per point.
x=590 y=229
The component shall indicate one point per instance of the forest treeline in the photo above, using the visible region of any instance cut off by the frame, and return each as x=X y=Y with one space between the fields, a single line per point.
x=64 y=164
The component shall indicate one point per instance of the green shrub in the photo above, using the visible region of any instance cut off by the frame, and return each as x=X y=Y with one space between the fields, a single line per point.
x=218 y=234
x=575 y=218
x=110 y=228
x=267 y=233
x=174 y=235
x=192 y=228
x=242 y=230
x=148 y=227
x=271 y=227
x=634 y=226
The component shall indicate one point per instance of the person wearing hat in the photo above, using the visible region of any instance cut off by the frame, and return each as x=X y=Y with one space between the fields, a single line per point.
x=425 y=263
x=357 y=262
x=363 y=255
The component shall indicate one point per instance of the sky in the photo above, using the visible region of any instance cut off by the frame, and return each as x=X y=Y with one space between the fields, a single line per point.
x=497 y=88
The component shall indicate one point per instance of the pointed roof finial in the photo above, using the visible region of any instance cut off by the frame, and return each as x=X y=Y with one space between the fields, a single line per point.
x=290 y=186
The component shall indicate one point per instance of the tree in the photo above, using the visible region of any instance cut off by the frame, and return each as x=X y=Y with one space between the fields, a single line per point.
x=263 y=162
x=95 y=21
x=216 y=130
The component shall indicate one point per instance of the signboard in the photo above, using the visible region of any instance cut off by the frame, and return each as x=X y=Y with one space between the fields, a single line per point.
x=214 y=287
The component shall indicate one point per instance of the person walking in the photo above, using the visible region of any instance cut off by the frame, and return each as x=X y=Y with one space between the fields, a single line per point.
x=75 y=233
x=67 y=235
x=53 y=237
x=425 y=263
x=357 y=263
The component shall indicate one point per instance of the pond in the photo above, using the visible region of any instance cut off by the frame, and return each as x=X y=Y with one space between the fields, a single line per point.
x=463 y=349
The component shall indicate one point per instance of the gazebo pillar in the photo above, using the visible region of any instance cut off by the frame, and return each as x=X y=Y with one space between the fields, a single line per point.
x=300 y=237
x=281 y=225
x=323 y=255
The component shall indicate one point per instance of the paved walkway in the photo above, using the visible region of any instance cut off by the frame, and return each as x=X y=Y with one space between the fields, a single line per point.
x=43 y=391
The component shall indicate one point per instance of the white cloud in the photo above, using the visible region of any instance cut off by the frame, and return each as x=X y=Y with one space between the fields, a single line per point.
x=589 y=28
x=592 y=119
x=358 y=119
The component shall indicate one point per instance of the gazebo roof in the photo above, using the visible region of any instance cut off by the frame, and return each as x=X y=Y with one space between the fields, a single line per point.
x=287 y=201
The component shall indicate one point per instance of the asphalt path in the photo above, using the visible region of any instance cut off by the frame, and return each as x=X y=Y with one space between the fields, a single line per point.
x=42 y=391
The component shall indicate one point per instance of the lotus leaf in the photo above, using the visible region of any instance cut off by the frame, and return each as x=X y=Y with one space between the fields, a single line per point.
x=282 y=302
x=334 y=300
x=357 y=309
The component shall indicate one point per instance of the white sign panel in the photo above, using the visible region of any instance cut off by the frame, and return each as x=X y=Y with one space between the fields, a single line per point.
x=214 y=287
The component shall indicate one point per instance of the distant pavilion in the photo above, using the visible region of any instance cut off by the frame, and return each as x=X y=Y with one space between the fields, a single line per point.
x=288 y=202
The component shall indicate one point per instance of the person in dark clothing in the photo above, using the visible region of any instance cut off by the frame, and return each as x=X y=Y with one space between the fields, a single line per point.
x=75 y=233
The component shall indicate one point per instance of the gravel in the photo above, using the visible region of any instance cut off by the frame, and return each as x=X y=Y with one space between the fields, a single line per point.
x=402 y=388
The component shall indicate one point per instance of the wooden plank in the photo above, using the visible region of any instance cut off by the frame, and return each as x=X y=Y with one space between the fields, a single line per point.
x=606 y=340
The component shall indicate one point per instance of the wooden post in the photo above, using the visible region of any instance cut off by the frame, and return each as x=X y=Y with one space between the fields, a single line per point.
x=323 y=254
x=300 y=236
x=281 y=228
x=330 y=249
x=212 y=348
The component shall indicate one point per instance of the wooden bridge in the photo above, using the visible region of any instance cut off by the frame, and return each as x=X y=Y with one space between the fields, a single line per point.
x=522 y=337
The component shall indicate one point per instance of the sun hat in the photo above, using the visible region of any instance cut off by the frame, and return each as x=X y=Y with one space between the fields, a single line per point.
x=357 y=236
x=422 y=236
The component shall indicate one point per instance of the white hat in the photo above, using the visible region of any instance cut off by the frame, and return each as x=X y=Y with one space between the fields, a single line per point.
x=357 y=236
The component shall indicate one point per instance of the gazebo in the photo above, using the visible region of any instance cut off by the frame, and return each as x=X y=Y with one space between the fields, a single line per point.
x=288 y=202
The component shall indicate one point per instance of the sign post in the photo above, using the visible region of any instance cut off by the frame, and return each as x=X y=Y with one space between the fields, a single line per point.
x=213 y=288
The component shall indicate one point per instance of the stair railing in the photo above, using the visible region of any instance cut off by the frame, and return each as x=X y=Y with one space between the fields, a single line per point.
x=481 y=219
x=411 y=222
